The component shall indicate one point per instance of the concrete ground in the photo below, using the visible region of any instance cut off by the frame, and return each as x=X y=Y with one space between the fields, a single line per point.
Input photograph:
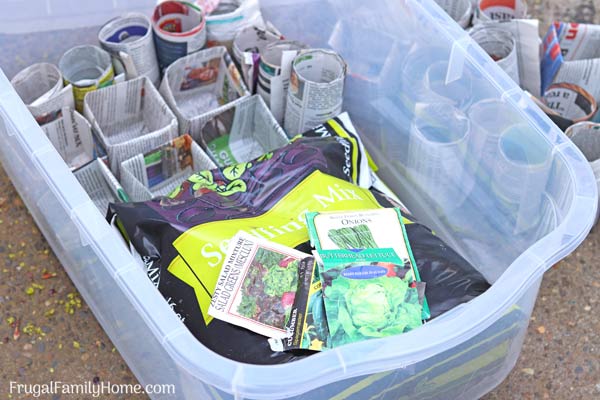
x=48 y=333
x=561 y=354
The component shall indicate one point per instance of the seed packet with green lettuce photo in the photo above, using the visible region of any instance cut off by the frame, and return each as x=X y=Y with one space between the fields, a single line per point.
x=307 y=326
x=367 y=294
x=257 y=285
x=359 y=230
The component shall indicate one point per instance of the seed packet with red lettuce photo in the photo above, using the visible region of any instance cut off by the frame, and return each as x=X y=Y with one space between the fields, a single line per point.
x=257 y=285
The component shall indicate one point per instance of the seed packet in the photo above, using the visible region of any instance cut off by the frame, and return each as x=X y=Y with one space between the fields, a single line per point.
x=257 y=285
x=359 y=230
x=168 y=160
x=367 y=294
x=307 y=326
x=350 y=252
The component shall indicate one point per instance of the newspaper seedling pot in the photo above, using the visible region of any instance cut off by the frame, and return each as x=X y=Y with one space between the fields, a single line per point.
x=520 y=174
x=244 y=130
x=460 y=11
x=159 y=171
x=274 y=74
x=129 y=40
x=586 y=136
x=201 y=85
x=501 y=46
x=87 y=68
x=500 y=10
x=247 y=46
x=71 y=135
x=230 y=17
x=440 y=134
x=40 y=86
x=316 y=89
x=100 y=184
x=129 y=118
x=571 y=101
x=179 y=29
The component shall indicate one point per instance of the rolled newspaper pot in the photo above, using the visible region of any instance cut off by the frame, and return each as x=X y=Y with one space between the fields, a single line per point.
x=577 y=41
x=526 y=35
x=571 y=101
x=274 y=74
x=160 y=170
x=241 y=132
x=520 y=173
x=129 y=118
x=247 y=46
x=437 y=86
x=500 y=10
x=438 y=145
x=208 y=5
x=179 y=29
x=37 y=83
x=586 y=136
x=228 y=18
x=100 y=184
x=71 y=136
x=489 y=118
x=407 y=78
x=562 y=122
x=86 y=68
x=316 y=89
x=129 y=40
x=252 y=39
x=40 y=86
x=200 y=85
x=501 y=46
x=459 y=10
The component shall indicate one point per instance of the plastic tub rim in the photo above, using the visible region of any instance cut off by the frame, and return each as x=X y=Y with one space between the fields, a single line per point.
x=233 y=378
x=232 y=374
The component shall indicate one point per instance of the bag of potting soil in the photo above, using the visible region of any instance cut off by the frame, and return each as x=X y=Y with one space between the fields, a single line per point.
x=342 y=126
x=185 y=235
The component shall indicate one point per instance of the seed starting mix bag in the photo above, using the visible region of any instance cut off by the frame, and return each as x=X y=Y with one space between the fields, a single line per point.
x=183 y=238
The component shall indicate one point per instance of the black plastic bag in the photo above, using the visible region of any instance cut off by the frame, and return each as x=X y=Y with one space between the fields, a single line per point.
x=181 y=238
x=309 y=174
x=450 y=279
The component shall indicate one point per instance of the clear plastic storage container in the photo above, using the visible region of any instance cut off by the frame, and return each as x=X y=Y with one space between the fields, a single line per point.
x=499 y=182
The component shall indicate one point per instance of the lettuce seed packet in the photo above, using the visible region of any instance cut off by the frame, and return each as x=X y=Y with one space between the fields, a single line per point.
x=367 y=294
x=360 y=230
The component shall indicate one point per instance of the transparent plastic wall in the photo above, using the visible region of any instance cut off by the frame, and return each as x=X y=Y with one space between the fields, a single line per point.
x=452 y=134
x=42 y=30
x=462 y=145
x=27 y=16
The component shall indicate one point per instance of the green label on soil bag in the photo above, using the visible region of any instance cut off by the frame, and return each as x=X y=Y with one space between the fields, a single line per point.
x=220 y=151
x=203 y=247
